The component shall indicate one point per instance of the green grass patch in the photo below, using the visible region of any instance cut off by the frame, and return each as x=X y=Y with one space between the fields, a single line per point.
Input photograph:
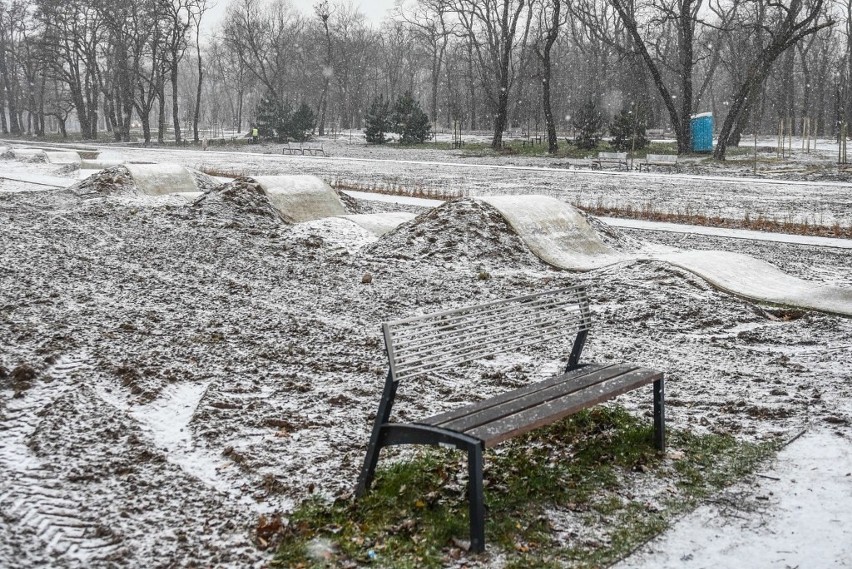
x=585 y=491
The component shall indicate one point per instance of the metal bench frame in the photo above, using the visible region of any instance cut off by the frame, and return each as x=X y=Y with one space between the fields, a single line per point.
x=617 y=158
x=422 y=345
x=305 y=149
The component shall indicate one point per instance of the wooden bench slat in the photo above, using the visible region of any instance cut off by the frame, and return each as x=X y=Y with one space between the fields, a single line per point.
x=564 y=385
x=444 y=418
x=555 y=409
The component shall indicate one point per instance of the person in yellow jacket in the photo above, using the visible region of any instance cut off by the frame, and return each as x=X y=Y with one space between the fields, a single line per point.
x=254 y=134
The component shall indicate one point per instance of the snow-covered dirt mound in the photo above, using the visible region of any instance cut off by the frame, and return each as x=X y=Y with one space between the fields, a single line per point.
x=381 y=223
x=335 y=235
x=30 y=155
x=111 y=181
x=301 y=198
x=242 y=202
x=468 y=231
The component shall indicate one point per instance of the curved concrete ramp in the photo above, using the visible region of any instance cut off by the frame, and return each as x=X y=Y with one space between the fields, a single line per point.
x=301 y=198
x=558 y=234
x=380 y=223
x=161 y=179
x=63 y=157
x=757 y=280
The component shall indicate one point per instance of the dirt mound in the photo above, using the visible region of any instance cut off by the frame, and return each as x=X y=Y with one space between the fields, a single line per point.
x=351 y=204
x=241 y=202
x=612 y=236
x=112 y=181
x=465 y=231
x=29 y=155
x=204 y=181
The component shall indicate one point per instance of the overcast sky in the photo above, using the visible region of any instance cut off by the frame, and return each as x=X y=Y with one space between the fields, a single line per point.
x=375 y=10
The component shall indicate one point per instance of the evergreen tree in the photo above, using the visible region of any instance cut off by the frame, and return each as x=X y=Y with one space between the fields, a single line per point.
x=268 y=115
x=409 y=120
x=301 y=123
x=588 y=121
x=628 y=130
x=377 y=120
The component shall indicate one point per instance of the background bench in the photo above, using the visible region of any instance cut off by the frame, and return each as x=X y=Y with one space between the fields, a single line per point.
x=423 y=345
x=304 y=148
x=610 y=158
x=661 y=160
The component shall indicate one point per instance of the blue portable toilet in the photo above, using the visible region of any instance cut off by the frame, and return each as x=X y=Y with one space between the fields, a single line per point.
x=702 y=132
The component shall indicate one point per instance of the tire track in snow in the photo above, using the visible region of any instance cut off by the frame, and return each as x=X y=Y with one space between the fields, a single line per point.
x=32 y=499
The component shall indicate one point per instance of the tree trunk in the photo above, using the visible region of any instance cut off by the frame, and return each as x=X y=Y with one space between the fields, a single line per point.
x=161 y=113
x=175 y=110
x=552 y=33
x=502 y=112
x=145 y=119
x=197 y=112
x=14 y=125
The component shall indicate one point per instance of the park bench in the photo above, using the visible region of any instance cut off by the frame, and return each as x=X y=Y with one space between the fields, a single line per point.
x=313 y=149
x=292 y=149
x=304 y=148
x=609 y=158
x=423 y=345
x=659 y=160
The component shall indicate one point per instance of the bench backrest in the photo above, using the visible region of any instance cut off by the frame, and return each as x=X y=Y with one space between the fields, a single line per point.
x=424 y=344
x=662 y=158
x=612 y=155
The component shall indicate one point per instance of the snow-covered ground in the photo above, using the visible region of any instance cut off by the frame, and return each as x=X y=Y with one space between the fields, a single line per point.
x=170 y=371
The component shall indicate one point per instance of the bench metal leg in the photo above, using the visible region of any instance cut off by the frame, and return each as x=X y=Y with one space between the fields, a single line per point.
x=659 y=415
x=476 y=498
x=375 y=445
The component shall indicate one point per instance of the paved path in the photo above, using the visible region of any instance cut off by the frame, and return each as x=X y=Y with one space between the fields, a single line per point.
x=798 y=513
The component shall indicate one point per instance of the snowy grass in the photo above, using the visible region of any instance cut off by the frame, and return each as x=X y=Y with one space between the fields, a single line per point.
x=563 y=494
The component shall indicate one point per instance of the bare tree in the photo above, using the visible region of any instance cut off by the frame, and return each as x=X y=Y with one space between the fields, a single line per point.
x=430 y=20
x=197 y=12
x=323 y=12
x=550 y=21
x=491 y=29
x=784 y=24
